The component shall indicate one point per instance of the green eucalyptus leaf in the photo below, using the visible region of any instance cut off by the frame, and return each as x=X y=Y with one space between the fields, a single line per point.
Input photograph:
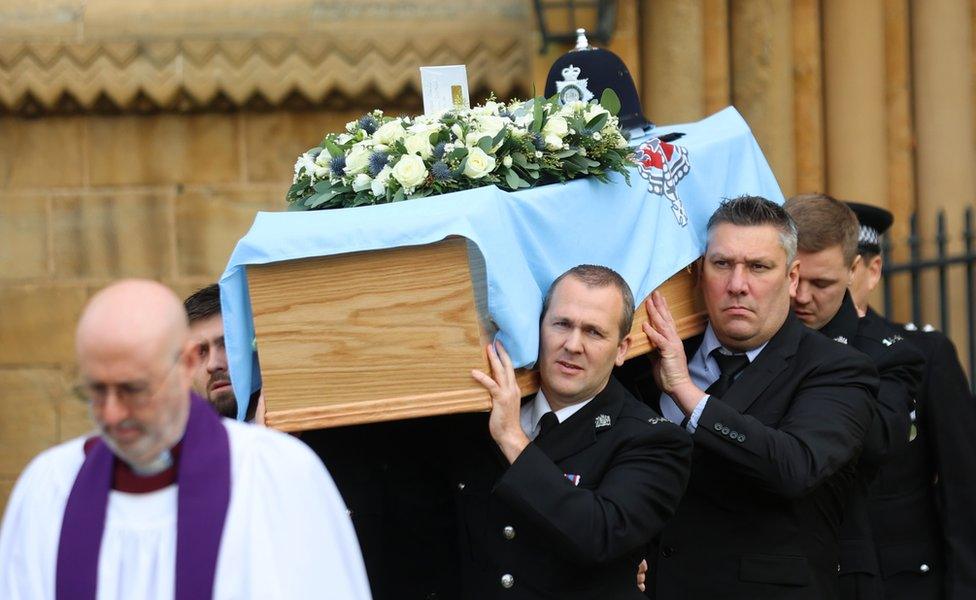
x=598 y=122
x=610 y=101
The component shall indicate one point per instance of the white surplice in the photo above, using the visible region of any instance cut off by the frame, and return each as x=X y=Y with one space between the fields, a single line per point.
x=287 y=533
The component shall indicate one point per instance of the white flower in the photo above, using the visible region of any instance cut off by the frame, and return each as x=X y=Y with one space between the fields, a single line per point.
x=390 y=132
x=457 y=131
x=378 y=185
x=507 y=161
x=553 y=142
x=479 y=163
x=571 y=108
x=594 y=110
x=323 y=158
x=419 y=143
x=343 y=138
x=597 y=137
x=357 y=160
x=538 y=154
x=362 y=182
x=555 y=126
x=410 y=171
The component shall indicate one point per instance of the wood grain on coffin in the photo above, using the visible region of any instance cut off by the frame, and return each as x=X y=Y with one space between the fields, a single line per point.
x=337 y=331
x=390 y=334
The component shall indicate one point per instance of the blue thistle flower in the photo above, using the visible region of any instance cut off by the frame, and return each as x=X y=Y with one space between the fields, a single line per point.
x=538 y=141
x=337 y=165
x=368 y=124
x=440 y=171
x=377 y=161
x=439 y=151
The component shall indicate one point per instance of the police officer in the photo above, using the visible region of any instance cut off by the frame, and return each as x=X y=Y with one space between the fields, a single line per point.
x=922 y=501
x=827 y=241
x=559 y=496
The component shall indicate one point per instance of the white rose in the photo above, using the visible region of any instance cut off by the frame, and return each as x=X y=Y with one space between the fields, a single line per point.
x=378 y=185
x=410 y=171
x=419 y=143
x=362 y=182
x=553 y=142
x=478 y=164
x=570 y=108
x=390 y=132
x=555 y=126
x=357 y=160
x=507 y=161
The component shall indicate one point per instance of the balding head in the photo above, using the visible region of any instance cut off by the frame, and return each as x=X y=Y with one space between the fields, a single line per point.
x=136 y=363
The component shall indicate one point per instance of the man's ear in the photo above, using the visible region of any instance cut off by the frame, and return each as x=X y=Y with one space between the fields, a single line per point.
x=874 y=272
x=622 y=349
x=794 y=276
x=856 y=262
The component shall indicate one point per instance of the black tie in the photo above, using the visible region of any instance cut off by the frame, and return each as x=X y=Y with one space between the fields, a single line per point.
x=729 y=366
x=546 y=424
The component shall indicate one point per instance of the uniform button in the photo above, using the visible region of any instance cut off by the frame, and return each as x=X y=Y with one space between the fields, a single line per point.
x=508 y=532
x=718 y=427
x=923 y=568
x=668 y=551
x=733 y=434
x=838 y=567
x=507 y=581
x=348 y=512
x=725 y=431
x=741 y=437
x=460 y=486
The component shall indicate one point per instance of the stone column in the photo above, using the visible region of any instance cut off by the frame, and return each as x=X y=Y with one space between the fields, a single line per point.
x=762 y=79
x=854 y=93
x=945 y=139
x=672 y=56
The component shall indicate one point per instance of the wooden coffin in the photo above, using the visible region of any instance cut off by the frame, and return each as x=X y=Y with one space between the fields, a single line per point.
x=391 y=334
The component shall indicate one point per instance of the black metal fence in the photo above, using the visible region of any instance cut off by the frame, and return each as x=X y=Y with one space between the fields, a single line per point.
x=917 y=266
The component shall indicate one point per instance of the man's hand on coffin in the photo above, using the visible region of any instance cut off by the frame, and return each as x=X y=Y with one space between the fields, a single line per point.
x=504 y=424
x=668 y=361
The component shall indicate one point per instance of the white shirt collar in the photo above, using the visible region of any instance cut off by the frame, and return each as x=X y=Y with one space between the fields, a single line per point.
x=710 y=342
x=533 y=410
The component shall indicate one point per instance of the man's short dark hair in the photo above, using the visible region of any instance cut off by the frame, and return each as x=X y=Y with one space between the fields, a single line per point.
x=824 y=222
x=598 y=276
x=755 y=211
x=203 y=303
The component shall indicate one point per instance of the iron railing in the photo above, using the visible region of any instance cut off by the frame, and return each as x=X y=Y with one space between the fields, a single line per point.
x=917 y=266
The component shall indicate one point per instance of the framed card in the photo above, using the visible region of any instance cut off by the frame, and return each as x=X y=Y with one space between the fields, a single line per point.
x=445 y=88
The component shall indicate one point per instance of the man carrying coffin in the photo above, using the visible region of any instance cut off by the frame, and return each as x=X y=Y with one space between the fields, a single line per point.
x=922 y=500
x=828 y=232
x=169 y=500
x=777 y=411
x=558 y=496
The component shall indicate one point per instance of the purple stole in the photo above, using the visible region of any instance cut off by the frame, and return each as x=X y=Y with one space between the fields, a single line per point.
x=203 y=477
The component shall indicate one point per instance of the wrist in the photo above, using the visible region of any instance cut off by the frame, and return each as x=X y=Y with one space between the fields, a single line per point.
x=512 y=444
x=687 y=395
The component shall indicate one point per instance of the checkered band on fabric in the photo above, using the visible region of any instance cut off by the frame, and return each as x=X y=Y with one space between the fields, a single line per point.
x=869 y=236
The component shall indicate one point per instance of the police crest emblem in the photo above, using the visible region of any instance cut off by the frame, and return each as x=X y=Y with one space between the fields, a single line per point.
x=663 y=165
x=571 y=88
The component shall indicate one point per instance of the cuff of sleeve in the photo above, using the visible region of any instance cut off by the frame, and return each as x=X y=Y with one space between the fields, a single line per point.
x=696 y=414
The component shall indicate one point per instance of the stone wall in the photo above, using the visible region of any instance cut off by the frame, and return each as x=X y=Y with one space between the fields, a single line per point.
x=85 y=200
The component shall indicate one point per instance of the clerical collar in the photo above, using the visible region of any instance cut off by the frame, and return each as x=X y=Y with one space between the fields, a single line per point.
x=162 y=462
x=128 y=480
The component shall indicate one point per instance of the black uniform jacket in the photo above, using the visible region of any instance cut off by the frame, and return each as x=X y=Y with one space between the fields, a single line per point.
x=899 y=366
x=922 y=501
x=572 y=516
x=772 y=465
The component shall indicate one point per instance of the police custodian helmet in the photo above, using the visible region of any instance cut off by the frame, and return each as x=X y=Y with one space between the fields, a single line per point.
x=584 y=72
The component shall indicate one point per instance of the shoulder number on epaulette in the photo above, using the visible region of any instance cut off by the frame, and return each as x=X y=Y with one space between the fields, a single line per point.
x=892 y=340
x=656 y=420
